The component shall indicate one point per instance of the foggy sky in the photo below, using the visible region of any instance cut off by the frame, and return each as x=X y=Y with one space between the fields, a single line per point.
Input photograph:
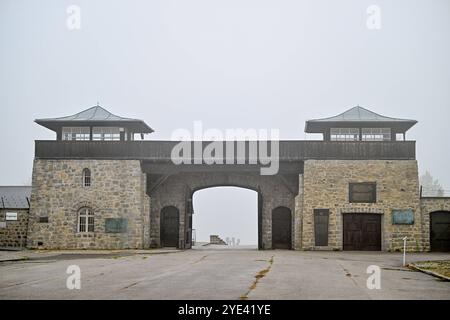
x=229 y=63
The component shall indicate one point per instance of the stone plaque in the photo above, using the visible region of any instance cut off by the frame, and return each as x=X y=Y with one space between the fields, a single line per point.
x=402 y=216
x=116 y=225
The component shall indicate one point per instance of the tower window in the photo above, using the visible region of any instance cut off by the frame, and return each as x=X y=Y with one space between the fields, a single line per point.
x=76 y=133
x=344 y=134
x=376 y=134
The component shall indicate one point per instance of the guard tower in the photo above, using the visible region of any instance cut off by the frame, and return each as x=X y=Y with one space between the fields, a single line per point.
x=95 y=124
x=360 y=124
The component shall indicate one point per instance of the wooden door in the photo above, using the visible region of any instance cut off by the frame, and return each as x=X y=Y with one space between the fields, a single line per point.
x=281 y=228
x=362 y=231
x=440 y=231
x=170 y=220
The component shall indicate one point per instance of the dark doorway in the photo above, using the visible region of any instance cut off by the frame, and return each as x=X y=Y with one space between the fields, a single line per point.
x=321 y=227
x=362 y=231
x=170 y=221
x=281 y=228
x=440 y=231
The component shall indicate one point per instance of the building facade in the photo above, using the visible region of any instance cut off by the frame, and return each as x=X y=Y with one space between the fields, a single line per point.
x=98 y=186
x=14 y=214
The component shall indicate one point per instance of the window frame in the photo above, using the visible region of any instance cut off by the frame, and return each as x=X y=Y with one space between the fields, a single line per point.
x=106 y=133
x=345 y=134
x=351 y=192
x=376 y=134
x=75 y=133
x=85 y=218
x=86 y=180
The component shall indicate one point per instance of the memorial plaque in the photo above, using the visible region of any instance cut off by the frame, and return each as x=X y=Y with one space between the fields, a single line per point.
x=116 y=225
x=402 y=216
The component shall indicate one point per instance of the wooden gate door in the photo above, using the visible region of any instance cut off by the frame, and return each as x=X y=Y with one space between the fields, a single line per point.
x=170 y=221
x=440 y=231
x=281 y=228
x=362 y=231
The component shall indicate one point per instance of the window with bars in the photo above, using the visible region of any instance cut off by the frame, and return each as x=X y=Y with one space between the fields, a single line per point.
x=86 y=177
x=105 y=133
x=85 y=220
x=344 y=134
x=376 y=134
x=76 y=133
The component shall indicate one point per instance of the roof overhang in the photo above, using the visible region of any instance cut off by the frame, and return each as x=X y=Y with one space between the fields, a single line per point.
x=320 y=126
x=134 y=125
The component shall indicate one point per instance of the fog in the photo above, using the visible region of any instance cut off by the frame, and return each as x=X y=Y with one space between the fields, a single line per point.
x=230 y=64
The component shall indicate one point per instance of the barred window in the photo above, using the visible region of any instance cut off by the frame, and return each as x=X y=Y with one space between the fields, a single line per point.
x=86 y=177
x=76 y=133
x=344 y=134
x=85 y=220
x=376 y=134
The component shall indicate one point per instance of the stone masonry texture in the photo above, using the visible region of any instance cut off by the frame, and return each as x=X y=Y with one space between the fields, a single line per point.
x=14 y=234
x=326 y=186
x=117 y=191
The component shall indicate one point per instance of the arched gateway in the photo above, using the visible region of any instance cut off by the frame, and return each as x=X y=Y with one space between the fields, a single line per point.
x=177 y=191
x=363 y=168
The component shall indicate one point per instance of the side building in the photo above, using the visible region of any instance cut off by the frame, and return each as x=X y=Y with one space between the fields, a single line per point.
x=14 y=214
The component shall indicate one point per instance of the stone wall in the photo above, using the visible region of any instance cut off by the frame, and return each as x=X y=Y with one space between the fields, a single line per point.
x=326 y=186
x=14 y=233
x=117 y=191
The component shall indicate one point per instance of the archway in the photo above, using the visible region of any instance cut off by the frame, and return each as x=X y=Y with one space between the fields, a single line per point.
x=440 y=231
x=281 y=228
x=230 y=212
x=170 y=222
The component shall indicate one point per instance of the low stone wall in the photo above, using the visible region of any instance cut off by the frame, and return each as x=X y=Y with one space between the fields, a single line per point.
x=13 y=233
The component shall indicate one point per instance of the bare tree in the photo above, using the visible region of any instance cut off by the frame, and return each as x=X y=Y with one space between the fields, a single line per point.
x=430 y=185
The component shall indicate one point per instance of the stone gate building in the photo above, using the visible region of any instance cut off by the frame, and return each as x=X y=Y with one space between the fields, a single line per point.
x=98 y=186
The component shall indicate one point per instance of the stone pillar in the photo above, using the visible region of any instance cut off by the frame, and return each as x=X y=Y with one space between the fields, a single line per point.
x=298 y=215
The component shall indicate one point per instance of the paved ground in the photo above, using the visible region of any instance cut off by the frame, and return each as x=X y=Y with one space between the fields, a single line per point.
x=215 y=273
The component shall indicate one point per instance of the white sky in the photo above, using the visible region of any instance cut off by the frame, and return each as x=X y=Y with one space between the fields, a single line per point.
x=229 y=63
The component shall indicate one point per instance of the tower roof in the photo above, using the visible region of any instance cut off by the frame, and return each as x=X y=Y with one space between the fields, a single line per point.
x=95 y=116
x=357 y=116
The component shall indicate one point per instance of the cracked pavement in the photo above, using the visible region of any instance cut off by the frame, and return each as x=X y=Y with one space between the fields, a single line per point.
x=220 y=273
